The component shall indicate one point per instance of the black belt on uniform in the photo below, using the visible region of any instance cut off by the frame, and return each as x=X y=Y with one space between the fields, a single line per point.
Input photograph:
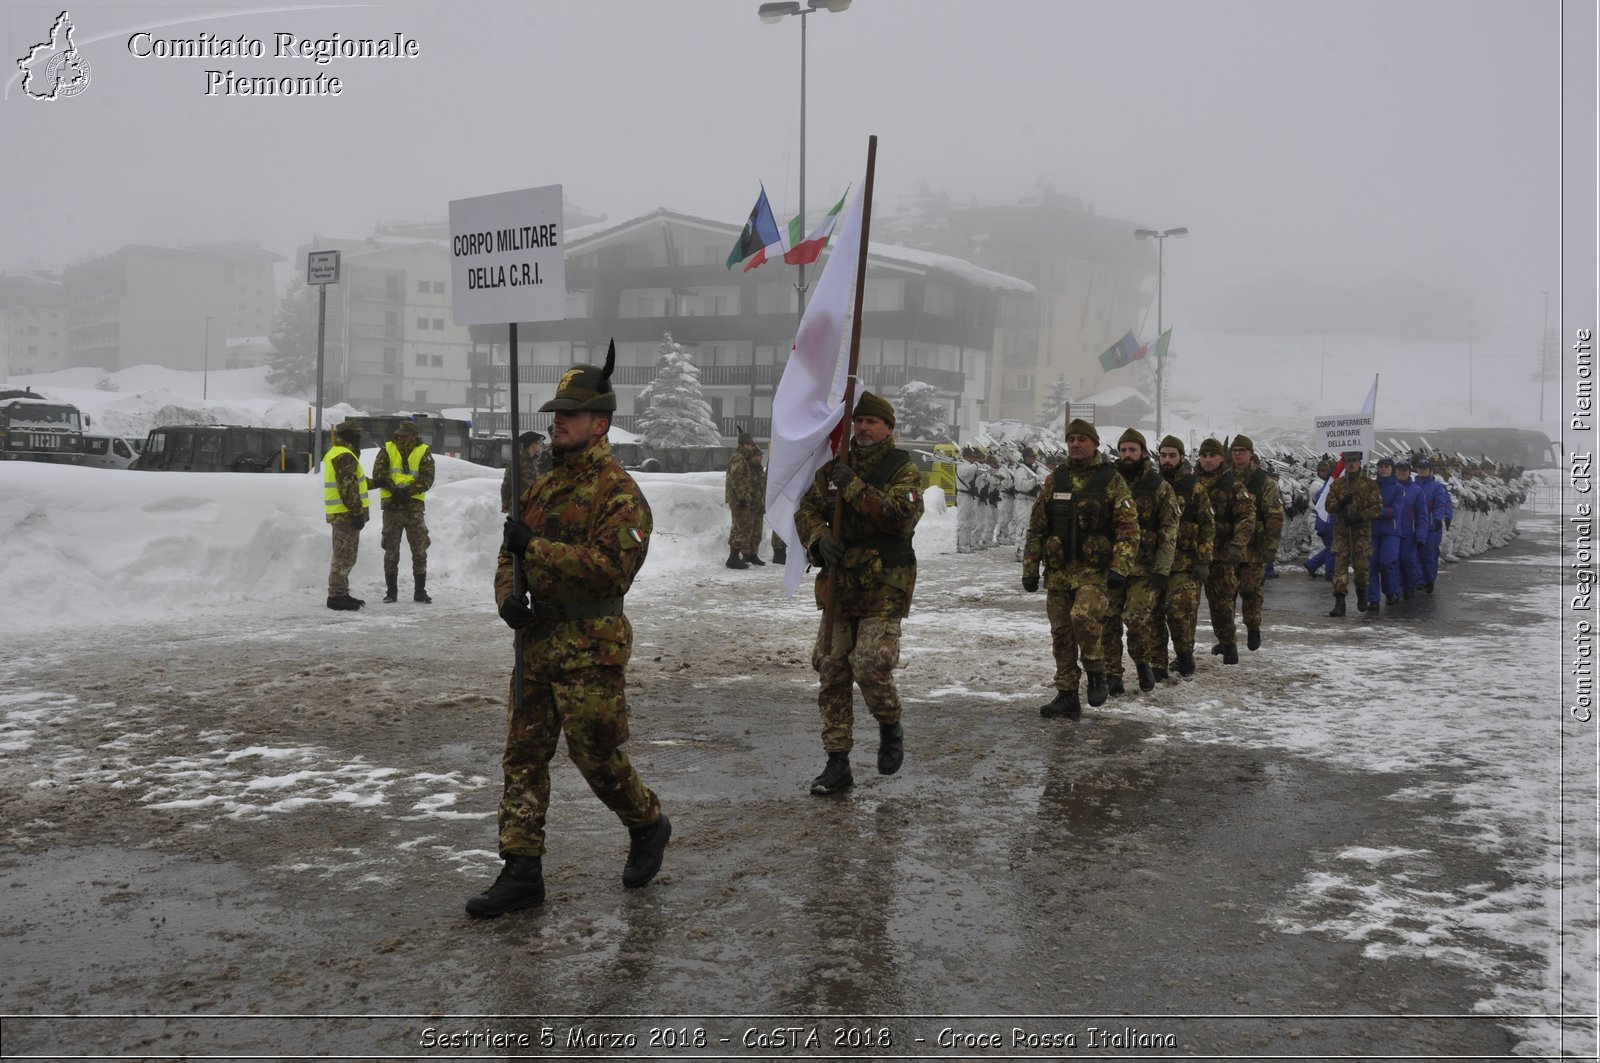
x=586 y=610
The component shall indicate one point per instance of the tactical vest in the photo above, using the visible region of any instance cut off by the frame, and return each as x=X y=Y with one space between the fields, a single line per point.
x=1258 y=478
x=1223 y=513
x=403 y=471
x=331 y=502
x=1144 y=503
x=1074 y=518
x=1184 y=489
x=892 y=551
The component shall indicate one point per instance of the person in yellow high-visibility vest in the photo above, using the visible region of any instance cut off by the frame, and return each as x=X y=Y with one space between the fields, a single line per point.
x=344 y=506
x=403 y=472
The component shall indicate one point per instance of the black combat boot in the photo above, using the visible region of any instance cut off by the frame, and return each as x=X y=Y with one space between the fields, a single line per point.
x=1338 y=606
x=891 y=748
x=1218 y=650
x=1230 y=654
x=1065 y=705
x=754 y=559
x=391 y=582
x=1427 y=588
x=835 y=776
x=520 y=885
x=1389 y=600
x=1147 y=677
x=780 y=555
x=1186 y=662
x=645 y=848
x=344 y=601
x=1098 y=691
x=1361 y=604
x=1159 y=675
x=1408 y=592
x=1252 y=637
x=420 y=593
x=1114 y=685
x=735 y=560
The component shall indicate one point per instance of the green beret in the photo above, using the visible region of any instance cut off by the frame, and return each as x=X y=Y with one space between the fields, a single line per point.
x=1210 y=446
x=1080 y=427
x=1176 y=444
x=870 y=405
x=1133 y=436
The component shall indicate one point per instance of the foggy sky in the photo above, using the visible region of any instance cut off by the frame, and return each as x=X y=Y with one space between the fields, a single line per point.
x=1336 y=144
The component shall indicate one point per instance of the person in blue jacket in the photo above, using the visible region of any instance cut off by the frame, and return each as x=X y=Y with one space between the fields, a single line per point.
x=1324 y=527
x=1405 y=518
x=1434 y=511
x=1385 y=539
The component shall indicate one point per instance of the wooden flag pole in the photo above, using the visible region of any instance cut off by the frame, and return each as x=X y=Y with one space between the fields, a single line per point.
x=515 y=513
x=830 y=610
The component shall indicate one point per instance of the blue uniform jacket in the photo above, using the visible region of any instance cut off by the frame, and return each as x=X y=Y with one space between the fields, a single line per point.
x=1390 y=491
x=1405 y=510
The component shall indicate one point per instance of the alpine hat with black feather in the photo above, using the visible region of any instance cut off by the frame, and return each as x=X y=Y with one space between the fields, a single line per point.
x=586 y=387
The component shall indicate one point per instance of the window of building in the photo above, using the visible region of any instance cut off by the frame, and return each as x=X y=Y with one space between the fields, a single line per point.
x=438 y=287
x=422 y=360
x=422 y=324
x=391 y=359
x=886 y=294
x=777 y=299
x=422 y=287
x=438 y=324
x=438 y=361
x=938 y=299
x=1022 y=382
x=391 y=324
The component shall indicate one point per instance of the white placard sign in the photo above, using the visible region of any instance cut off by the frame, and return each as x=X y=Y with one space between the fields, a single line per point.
x=507 y=257
x=322 y=267
x=1339 y=432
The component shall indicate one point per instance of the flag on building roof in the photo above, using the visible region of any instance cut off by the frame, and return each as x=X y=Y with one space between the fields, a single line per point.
x=1120 y=353
x=808 y=403
x=804 y=252
x=1158 y=347
x=759 y=233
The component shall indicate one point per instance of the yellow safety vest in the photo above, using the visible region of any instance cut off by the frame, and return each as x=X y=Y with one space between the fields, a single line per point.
x=331 y=502
x=401 y=476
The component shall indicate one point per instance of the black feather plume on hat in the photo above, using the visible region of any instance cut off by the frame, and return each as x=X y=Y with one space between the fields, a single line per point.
x=611 y=360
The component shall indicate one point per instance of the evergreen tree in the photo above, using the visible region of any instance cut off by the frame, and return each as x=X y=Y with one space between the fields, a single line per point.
x=105 y=383
x=1055 y=401
x=292 y=367
x=676 y=413
x=919 y=413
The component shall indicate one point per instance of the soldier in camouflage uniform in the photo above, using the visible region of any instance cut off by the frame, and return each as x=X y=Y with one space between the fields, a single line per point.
x=1085 y=532
x=1235 y=517
x=403 y=472
x=1191 y=564
x=344 y=504
x=1138 y=606
x=581 y=538
x=530 y=446
x=1353 y=500
x=745 y=491
x=876 y=574
x=1263 y=546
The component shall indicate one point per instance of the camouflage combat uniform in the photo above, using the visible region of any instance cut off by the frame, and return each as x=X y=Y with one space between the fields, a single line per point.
x=348 y=515
x=1251 y=573
x=591 y=529
x=881 y=508
x=1353 y=500
x=1138 y=604
x=395 y=466
x=1105 y=529
x=1197 y=541
x=745 y=491
x=528 y=470
x=1234 y=514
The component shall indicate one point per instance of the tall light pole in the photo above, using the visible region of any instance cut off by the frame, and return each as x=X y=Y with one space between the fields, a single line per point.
x=1161 y=246
x=205 y=365
x=776 y=12
x=1544 y=354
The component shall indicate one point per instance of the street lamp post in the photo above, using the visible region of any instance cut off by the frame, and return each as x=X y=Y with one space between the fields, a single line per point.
x=776 y=12
x=1161 y=245
x=205 y=365
x=1544 y=354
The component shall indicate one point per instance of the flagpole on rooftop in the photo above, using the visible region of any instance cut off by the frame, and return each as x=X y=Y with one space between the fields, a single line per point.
x=1161 y=246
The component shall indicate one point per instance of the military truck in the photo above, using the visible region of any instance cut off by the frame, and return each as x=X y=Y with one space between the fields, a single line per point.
x=34 y=428
x=225 y=448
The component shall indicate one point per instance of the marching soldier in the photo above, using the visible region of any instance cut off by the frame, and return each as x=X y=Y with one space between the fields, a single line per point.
x=1235 y=517
x=877 y=572
x=530 y=446
x=1262 y=548
x=745 y=491
x=1084 y=531
x=403 y=472
x=1139 y=604
x=1191 y=562
x=582 y=535
x=344 y=506
x=1353 y=501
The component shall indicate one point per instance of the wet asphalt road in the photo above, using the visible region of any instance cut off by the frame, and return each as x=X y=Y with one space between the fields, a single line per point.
x=1071 y=882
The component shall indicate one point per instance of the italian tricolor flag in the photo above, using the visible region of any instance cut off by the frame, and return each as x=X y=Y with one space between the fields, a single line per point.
x=804 y=252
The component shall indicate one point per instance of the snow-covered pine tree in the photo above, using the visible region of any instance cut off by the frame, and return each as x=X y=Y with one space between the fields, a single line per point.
x=1055 y=401
x=292 y=366
x=919 y=413
x=676 y=413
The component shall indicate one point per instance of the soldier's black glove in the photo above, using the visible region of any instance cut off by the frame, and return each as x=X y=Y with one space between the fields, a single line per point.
x=841 y=475
x=1158 y=583
x=1030 y=583
x=1235 y=553
x=401 y=493
x=1116 y=581
x=517 y=537
x=831 y=550
x=1202 y=572
x=360 y=522
x=515 y=612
